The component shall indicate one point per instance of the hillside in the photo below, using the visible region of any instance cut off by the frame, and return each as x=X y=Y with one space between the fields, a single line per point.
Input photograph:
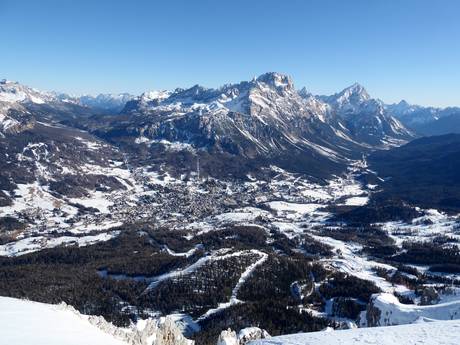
x=423 y=172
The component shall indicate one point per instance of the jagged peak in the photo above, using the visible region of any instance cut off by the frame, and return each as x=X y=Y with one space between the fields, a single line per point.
x=305 y=93
x=278 y=80
x=13 y=92
x=403 y=102
x=355 y=90
x=194 y=92
x=196 y=89
x=6 y=81
x=154 y=95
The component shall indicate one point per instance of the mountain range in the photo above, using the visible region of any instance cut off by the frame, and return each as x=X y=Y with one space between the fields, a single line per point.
x=234 y=130
x=427 y=120
x=260 y=120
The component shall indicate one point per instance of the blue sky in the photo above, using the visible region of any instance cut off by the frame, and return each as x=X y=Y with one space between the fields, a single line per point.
x=396 y=48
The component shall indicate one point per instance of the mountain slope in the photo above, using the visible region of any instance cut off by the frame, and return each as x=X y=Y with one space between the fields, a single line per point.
x=110 y=103
x=427 y=120
x=366 y=118
x=265 y=121
x=30 y=322
x=423 y=172
x=444 y=125
x=52 y=176
x=19 y=104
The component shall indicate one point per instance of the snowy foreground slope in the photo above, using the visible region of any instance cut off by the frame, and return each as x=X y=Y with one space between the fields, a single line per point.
x=24 y=322
x=428 y=333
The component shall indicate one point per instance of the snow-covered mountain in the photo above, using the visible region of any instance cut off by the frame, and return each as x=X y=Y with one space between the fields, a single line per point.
x=413 y=114
x=422 y=118
x=365 y=117
x=351 y=100
x=107 y=102
x=14 y=117
x=272 y=100
x=21 y=106
x=265 y=119
x=13 y=92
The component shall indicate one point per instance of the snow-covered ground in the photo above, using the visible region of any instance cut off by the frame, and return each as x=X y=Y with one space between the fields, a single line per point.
x=428 y=333
x=50 y=213
x=24 y=322
x=27 y=322
x=32 y=244
x=433 y=223
x=392 y=312
x=350 y=261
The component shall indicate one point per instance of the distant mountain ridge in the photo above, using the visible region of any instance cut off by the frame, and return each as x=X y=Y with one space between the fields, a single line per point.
x=108 y=102
x=427 y=120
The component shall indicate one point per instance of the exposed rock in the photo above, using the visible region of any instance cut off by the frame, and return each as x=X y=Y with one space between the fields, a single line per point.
x=372 y=315
x=244 y=336
x=251 y=333
x=227 y=337
x=161 y=331
x=169 y=334
x=429 y=296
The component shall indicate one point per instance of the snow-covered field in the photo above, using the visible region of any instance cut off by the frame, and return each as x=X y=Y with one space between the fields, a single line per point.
x=428 y=333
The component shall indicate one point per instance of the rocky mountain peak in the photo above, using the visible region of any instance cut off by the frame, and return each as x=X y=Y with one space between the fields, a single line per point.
x=12 y=92
x=279 y=81
x=355 y=93
x=403 y=103
x=303 y=92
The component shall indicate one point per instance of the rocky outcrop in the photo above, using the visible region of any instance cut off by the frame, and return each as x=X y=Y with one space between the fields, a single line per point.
x=228 y=337
x=251 y=333
x=162 y=331
x=429 y=296
x=245 y=335
x=372 y=316
x=169 y=334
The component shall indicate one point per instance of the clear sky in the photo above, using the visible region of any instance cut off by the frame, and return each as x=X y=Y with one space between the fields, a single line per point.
x=396 y=48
